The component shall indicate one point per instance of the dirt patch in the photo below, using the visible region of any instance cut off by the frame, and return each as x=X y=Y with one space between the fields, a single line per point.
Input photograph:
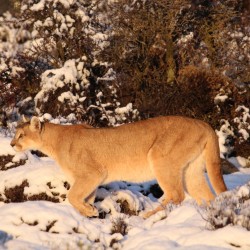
x=16 y=194
x=5 y=159
x=30 y=223
x=119 y=225
x=125 y=208
x=243 y=148
x=50 y=225
x=41 y=197
x=38 y=153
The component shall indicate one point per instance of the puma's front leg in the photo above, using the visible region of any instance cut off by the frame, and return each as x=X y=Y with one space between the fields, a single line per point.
x=83 y=190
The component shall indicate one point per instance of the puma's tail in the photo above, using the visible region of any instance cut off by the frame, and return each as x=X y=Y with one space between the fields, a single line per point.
x=213 y=164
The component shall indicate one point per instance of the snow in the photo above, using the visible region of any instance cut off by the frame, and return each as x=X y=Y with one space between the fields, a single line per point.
x=244 y=191
x=186 y=38
x=65 y=3
x=239 y=161
x=185 y=229
x=38 y=6
x=4 y=147
x=68 y=75
x=125 y=109
x=224 y=132
x=100 y=39
x=47 y=116
x=82 y=15
x=46 y=225
x=244 y=133
x=220 y=98
x=242 y=121
x=67 y=96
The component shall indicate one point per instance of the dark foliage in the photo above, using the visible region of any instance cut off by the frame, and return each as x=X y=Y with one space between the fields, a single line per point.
x=119 y=226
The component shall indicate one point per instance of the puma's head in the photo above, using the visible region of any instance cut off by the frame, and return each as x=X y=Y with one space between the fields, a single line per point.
x=28 y=135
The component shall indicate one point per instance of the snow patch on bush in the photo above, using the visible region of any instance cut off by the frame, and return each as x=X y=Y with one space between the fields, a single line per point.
x=230 y=208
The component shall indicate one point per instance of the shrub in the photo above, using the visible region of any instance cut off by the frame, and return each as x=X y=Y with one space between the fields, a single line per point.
x=12 y=37
x=153 y=46
x=126 y=208
x=59 y=73
x=119 y=225
x=206 y=94
x=230 y=208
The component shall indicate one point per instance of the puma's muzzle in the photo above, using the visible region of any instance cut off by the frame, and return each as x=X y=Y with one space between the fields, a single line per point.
x=12 y=143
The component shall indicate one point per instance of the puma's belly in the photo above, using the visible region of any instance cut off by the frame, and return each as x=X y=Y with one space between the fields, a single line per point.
x=138 y=173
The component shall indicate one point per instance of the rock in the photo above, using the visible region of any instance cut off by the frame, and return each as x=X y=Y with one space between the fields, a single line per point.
x=227 y=167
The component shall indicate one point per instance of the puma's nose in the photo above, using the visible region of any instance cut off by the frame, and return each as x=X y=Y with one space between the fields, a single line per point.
x=12 y=144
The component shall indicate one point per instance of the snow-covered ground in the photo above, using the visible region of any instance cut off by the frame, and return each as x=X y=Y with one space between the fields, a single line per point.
x=43 y=224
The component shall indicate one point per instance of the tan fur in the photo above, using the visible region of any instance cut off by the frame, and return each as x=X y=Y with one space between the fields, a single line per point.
x=174 y=150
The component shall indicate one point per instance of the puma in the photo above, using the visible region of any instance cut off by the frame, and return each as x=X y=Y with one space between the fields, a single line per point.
x=173 y=150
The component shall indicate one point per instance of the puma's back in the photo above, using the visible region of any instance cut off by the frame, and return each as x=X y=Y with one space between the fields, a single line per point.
x=173 y=149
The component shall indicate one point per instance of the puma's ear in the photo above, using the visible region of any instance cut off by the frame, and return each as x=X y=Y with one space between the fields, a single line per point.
x=25 y=119
x=35 y=124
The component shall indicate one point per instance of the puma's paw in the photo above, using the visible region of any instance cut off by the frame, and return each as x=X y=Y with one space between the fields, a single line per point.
x=148 y=214
x=89 y=211
x=94 y=212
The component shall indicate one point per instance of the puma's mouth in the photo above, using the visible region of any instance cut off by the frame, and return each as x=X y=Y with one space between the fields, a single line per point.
x=17 y=148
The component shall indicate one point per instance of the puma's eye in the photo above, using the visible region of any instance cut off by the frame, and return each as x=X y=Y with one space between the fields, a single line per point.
x=21 y=136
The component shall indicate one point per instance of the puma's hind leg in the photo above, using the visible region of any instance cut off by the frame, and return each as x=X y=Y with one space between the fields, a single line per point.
x=173 y=193
x=169 y=177
x=196 y=183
